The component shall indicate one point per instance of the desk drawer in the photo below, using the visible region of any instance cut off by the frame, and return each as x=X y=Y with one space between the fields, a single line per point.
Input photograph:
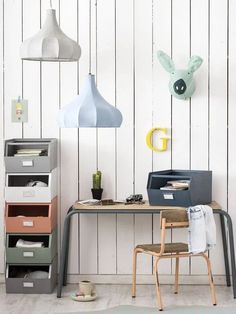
x=16 y=283
x=31 y=218
x=16 y=189
x=45 y=162
x=31 y=255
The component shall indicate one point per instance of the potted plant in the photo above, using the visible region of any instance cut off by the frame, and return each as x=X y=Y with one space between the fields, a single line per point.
x=97 y=190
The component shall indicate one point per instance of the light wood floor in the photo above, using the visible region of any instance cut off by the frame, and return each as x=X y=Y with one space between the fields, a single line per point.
x=110 y=296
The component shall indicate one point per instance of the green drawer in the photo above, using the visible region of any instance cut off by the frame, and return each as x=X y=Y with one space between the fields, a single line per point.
x=31 y=255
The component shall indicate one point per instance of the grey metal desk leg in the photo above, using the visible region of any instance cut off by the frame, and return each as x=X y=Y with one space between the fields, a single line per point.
x=67 y=252
x=63 y=255
x=225 y=248
x=232 y=252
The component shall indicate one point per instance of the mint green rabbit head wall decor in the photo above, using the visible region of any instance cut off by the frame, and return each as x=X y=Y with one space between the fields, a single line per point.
x=181 y=84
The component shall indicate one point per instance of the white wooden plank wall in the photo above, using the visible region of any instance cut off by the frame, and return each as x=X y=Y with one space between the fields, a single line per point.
x=1 y=142
x=218 y=109
x=125 y=36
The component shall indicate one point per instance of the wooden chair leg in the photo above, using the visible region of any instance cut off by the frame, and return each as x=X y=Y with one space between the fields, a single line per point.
x=158 y=291
x=176 y=275
x=212 y=286
x=134 y=273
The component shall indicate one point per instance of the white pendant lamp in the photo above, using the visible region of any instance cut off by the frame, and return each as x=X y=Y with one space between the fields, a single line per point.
x=50 y=43
x=89 y=109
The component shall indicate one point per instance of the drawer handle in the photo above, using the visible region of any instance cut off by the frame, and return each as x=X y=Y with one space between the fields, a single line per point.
x=28 y=284
x=168 y=196
x=28 y=223
x=28 y=254
x=28 y=193
x=27 y=163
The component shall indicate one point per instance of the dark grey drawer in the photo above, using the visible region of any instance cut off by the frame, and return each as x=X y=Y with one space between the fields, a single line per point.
x=16 y=284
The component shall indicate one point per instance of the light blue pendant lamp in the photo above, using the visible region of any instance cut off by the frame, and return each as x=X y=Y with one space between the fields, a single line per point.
x=89 y=109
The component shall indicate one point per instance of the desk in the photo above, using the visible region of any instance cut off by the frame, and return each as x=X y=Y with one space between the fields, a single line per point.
x=77 y=209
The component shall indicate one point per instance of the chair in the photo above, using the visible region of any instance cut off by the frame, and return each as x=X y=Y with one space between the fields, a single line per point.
x=169 y=219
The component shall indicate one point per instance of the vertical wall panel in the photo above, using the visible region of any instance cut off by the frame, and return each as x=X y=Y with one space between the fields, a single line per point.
x=87 y=140
x=12 y=79
x=199 y=102
x=232 y=113
x=143 y=235
x=124 y=96
x=161 y=95
x=181 y=108
x=218 y=114
x=125 y=154
x=50 y=87
x=143 y=114
x=106 y=85
x=143 y=91
x=31 y=71
x=161 y=100
x=69 y=137
x=1 y=142
x=106 y=244
x=12 y=63
x=125 y=243
x=106 y=137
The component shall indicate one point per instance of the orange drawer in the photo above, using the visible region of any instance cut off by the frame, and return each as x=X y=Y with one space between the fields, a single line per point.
x=31 y=217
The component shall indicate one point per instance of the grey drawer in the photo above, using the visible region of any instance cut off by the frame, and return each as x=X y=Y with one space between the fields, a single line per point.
x=19 y=284
x=44 y=163
x=31 y=255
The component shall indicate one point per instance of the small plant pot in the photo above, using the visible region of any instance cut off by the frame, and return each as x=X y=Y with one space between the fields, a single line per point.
x=97 y=194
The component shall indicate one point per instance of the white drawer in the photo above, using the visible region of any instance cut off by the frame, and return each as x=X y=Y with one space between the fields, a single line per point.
x=16 y=189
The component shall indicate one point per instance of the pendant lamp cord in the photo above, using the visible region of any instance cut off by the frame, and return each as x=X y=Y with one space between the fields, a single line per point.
x=51 y=4
x=90 y=22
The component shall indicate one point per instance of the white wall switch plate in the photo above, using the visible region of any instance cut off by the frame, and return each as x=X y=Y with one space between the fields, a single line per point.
x=19 y=110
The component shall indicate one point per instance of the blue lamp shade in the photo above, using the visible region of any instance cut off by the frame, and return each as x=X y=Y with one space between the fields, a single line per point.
x=89 y=110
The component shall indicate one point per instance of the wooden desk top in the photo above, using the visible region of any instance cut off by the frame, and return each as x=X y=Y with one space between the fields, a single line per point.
x=133 y=207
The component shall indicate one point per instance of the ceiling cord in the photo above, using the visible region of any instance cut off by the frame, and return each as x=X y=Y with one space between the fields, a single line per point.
x=90 y=46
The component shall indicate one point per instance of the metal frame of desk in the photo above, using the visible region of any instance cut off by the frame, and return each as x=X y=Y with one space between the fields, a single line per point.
x=143 y=209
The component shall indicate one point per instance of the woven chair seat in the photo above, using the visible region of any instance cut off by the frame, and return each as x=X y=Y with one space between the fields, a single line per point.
x=169 y=247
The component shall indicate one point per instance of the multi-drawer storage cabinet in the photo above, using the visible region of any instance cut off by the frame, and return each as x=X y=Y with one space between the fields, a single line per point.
x=199 y=190
x=31 y=215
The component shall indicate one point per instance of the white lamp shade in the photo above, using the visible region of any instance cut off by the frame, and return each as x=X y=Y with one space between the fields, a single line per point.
x=50 y=43
x=89 y=109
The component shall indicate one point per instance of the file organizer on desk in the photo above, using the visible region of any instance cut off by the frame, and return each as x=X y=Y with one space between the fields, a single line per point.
x=31 y=214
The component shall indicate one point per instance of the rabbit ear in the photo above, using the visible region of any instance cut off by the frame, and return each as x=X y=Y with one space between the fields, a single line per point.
x=166 y=61
x=194 y=63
